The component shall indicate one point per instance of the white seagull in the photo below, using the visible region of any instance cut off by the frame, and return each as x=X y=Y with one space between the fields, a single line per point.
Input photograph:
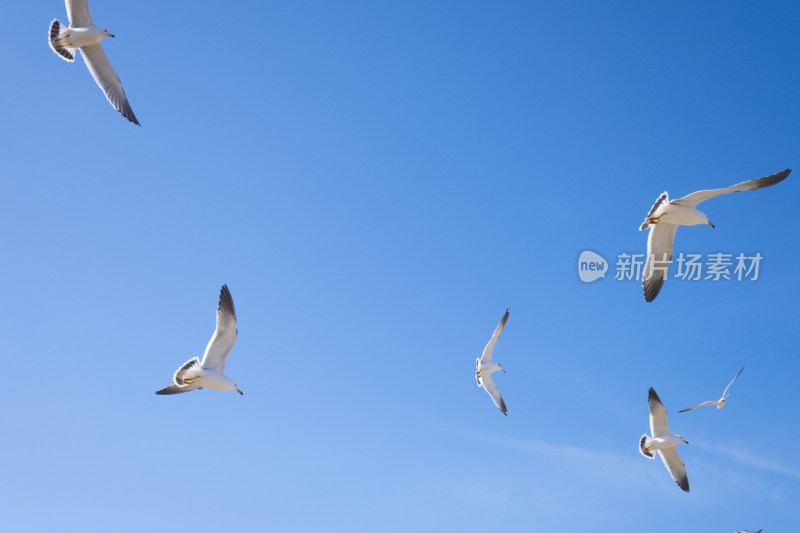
x=484 y=367
x=748 y=531
x=663 y=441
x=664 y=218
x=84 y=35
x=719 y=403
x=210 y=372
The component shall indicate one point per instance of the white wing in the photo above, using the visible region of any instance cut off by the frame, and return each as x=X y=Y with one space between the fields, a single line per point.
x=78 y=13
x=731 y=383
x=696 y=406
x=696 y=198
x=107 y=79
x=675 y=466
x=659 y=254
x=487 y=352
x=658 y=415
x=221 y=343
x=489 y=386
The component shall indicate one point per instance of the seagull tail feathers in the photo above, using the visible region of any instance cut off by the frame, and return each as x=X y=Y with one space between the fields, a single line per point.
x=59 y=41
x=643 y=448
x=663 y=199
x=189 y=370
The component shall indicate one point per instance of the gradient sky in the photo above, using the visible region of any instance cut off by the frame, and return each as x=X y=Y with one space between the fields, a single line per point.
x=376 y=184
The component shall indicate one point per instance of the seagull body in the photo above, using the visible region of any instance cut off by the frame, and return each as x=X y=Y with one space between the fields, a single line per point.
x=663 y=441
x=664 y=218
x=210 y=372
x=484 y=367
x=83 y=35
x=719 y=403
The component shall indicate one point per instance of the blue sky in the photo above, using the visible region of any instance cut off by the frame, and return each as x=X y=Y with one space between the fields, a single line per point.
x=376 y=184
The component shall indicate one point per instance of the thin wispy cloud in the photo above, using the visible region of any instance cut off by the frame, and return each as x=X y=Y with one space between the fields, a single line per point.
x=750 y=459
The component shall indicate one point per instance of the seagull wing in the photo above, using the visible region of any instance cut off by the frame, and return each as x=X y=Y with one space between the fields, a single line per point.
x=675 y=466
x=658 y=415
x=78 y=13
x=659 y=254
x=731 y=383
x=221 y=343
x=489 y=386
x=107 y=80
x=696 y=406
x=696 y=198
x=487 y=352
x=177 y=389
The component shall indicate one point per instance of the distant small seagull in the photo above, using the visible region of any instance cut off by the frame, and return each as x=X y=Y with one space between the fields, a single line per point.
x=664 y=218
x=484 y=367
x=663 y=441
x=84 y=35
x=210 y=372
x=719 y=403
x=748 y=531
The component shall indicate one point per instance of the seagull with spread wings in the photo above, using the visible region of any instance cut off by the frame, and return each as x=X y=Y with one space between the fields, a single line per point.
x=484 y=367
x=748 y=531
x=663 y=441
x=83 y=35
x=664 y=218
x=719 y=403
x=210 y=372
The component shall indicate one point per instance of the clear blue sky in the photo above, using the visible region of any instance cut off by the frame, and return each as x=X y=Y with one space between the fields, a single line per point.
x=376 y=184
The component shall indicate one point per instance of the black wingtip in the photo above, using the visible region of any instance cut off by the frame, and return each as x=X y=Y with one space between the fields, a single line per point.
x=652 y=395
x=226 y=300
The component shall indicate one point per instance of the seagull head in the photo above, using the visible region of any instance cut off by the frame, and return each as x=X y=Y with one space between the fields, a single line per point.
x=683 y=440
x=108 y=34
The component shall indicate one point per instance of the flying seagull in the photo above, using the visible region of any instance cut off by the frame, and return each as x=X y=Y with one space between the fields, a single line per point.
x=484 y=367
x=84 y=35
x=748 y=531
x=664 y=218
x=663 y=441
x=210 y=372
x=719 y=403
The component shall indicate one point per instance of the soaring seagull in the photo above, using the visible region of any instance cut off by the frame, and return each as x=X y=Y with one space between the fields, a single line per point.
x=748 y=531
x=719 y=403
x=484 y=367
x=663 y=441
x=664 y=218
x=210 y=372
x=83 y=35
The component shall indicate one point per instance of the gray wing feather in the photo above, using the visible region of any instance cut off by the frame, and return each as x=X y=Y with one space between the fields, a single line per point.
x=78 y=13
x=177 y=389
x=675 y=466
x=658 y=415
x=659 y=254
x=696 y=198
x=221 y=343
x=486 y=357
x=107 y=80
